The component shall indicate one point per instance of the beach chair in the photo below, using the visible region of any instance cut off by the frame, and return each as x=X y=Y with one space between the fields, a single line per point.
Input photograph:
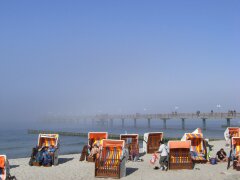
x=179 y=155
x=236 y=152
x=151 y=141
x=95 y=138
x=131 y=140
x=198 y=148
x=47 y=140
x=4 y=168
x=231 y=132
x=111 y=162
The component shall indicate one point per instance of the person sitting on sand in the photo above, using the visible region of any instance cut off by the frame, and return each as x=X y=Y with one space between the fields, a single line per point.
x=221 y=155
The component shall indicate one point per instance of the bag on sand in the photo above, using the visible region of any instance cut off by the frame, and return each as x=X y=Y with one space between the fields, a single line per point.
x=154 y=158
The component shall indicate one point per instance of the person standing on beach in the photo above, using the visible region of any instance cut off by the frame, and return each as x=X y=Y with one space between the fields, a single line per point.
x=163 y=150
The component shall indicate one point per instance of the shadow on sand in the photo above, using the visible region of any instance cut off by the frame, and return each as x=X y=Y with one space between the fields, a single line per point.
x=130 y=170
x=64 y=160
x=13 y=166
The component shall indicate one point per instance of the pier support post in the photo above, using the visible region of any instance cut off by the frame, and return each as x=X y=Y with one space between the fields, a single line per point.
x=135 y=123
x=122 y=123
x=228 y=122
x=204 y=123
x=183 y=123
x=164 y=123
x=149 y=121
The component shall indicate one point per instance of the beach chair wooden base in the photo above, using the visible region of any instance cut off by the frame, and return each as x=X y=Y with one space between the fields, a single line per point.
x=36 y=164
x=105 y=171
x=177 y=166
x=236 y=165
x=200 y=161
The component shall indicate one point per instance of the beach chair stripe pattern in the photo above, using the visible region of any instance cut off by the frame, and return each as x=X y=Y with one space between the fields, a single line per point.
x=48 y=142
x=236 y=150
x=180 y=159
x=108 y=165
x=197 y=145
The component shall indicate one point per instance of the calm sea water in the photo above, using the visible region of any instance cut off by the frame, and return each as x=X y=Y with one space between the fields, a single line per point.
x=17 y=143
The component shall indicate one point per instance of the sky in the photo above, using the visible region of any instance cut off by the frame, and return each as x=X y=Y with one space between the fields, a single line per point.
x=92 y=57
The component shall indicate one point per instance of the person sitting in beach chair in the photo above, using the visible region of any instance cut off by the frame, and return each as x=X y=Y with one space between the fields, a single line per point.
x=221 y=156
x=95 y=151
x=46 y=151
x=132 y=145
x=198 y=146
x=94 y=138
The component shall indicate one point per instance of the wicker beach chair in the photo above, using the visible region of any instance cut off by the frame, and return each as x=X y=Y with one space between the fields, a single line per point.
x=4 y=168
x=231 y=132
x=151 y=141
x=95 y=138
x=236 y=152
x=111 y=162
x=198 y=146
x=47 y=140
x=179 y=155
x=131 y=140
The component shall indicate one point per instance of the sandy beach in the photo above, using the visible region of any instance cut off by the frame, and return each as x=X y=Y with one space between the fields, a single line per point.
x=70 y=168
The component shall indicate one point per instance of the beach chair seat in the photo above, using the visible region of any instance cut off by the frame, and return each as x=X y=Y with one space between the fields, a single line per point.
x=198 y=146
x=111 y=162
x=131 y=141
x=151 y=142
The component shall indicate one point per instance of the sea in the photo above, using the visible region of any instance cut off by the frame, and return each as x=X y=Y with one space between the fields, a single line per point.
x=15 y=141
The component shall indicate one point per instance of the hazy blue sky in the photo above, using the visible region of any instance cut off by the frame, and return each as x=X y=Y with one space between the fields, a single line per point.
x=118 y=56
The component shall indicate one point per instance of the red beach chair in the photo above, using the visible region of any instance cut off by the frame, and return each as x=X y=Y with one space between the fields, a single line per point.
x=179 y=155
x=111 y=162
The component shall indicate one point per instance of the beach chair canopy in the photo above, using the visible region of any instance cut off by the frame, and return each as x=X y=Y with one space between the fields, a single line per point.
x=231 y=132
x=110 y=143
x=48 y=139
x=96 y=137
x=129 y=138
x=179 y=144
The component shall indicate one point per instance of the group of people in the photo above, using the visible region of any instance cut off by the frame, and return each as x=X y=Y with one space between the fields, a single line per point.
x=43 y=155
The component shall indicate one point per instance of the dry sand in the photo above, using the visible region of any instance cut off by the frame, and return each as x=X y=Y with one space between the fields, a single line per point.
x=70 y=168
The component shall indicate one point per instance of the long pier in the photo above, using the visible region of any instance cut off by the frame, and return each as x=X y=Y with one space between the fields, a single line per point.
x=108 y=118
